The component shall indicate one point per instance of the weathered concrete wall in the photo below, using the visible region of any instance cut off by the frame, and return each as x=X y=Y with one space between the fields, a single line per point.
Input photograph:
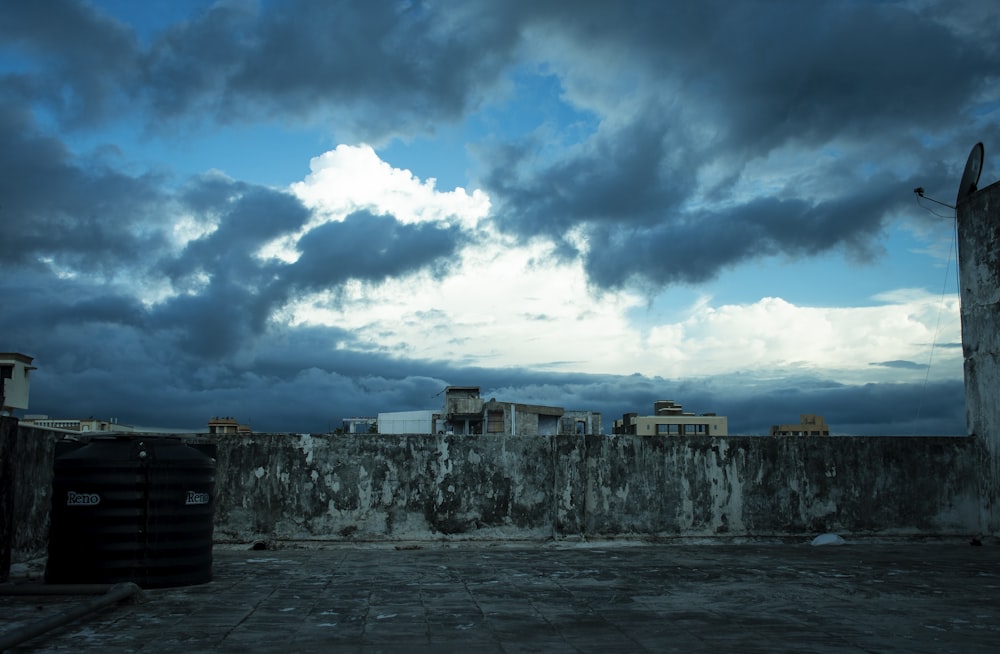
x=415 y=487
x=979 y=277
x=8 y=434
x=370 y=486
x=26 y=456
x=745 y=486
x=420 y=487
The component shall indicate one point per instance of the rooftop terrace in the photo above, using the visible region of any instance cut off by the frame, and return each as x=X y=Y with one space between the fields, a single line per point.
x=622 y=596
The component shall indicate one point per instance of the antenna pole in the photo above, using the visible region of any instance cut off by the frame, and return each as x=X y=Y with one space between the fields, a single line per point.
x=920 y=193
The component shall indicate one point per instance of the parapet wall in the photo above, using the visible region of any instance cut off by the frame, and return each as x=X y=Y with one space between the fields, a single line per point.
x=416 y=487
x=274 y=487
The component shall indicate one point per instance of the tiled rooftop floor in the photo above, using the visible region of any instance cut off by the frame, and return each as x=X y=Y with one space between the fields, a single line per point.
x=609 y=597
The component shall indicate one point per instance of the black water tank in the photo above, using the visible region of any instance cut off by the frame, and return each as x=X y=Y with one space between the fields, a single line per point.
x=132 y=508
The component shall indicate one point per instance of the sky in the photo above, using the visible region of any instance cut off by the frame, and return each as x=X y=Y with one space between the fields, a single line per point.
x=293 y=212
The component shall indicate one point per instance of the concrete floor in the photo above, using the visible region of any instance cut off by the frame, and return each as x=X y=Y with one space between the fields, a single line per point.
x=606 y=597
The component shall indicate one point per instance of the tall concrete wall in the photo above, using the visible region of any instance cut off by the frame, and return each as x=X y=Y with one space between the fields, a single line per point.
x=8 y=434
x=484 y=487
x=979 y=276
x=744 y=486
x=26 y=456
x=373 y=486
x=273 y=487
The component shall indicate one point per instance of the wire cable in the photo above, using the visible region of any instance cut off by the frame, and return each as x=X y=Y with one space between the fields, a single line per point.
x=952 y=257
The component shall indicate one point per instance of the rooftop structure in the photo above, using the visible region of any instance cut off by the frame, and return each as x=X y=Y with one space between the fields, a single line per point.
x=80 y=425
x=464 y=411
x=360 y=425
x=227 y=425
x=669 y=418
x=15 y=373
x=809 y=424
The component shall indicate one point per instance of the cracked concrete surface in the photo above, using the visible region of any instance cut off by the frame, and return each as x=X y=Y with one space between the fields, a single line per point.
x=598 y=597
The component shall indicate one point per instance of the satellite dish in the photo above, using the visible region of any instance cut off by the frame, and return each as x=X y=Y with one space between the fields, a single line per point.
x=970 y=178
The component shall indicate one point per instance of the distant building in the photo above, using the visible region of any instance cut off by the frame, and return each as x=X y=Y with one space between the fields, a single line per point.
x=79 y=425
x=466 y=412
x=670 y=419
x=409 y=422
x=580 y=423
x=809 y=424
x=359 y=425
x=15 y=382
x=227 y=425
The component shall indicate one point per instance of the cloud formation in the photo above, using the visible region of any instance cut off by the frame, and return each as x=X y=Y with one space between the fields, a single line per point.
x=616 y=154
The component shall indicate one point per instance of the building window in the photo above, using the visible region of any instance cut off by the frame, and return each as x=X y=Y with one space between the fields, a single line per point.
x=494 y=422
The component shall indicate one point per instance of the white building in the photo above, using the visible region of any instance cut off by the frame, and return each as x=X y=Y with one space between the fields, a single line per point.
x=409 y=422
x=15 y=374
x=80 y=425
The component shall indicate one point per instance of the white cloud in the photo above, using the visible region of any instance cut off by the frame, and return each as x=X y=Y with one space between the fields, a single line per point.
x=503 y=306
x=353 y=178
x=843 y=342
x=506 y=304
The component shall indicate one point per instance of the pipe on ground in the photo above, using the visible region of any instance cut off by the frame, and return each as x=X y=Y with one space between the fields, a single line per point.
x=112 y=595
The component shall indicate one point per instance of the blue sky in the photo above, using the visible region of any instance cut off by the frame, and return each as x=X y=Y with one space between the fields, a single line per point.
x=297 y=211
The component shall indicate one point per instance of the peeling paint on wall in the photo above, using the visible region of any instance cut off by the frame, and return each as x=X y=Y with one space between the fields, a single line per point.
x=495 y=486
x=422 y=487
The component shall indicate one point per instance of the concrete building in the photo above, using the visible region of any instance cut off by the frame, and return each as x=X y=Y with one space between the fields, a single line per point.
x=466 y=412
x=978 y=215
x=80 y=425
x=809 y=424
x=409 y=422
x=227 y=425
x=519 y=419
x=669 y=418
x=581 y=423
x=15 y=381
x=360 y=425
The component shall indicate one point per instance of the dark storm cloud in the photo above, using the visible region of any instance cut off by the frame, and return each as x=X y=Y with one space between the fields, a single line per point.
x=298 y=381
x=80 y=212
x=725 y=87
x=186 y=69
x=377 y=68
x=90 y=61
x=369 y=247
x=767 y=72
x=247 y=215
x=694 y=248
x=243 y=291
x=616 y=180
x=373 y=55
x=693 y=87
x=317 y=60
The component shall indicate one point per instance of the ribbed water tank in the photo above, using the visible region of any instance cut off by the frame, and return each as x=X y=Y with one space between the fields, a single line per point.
x=132 y=508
